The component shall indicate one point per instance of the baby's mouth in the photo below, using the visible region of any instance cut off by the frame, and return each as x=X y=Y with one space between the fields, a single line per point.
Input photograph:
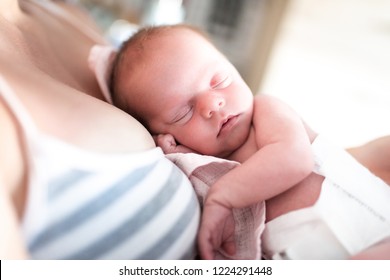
x=227 y=123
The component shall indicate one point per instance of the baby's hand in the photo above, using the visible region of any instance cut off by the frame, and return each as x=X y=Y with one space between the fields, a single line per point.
x=216 y=231
x=168 y=144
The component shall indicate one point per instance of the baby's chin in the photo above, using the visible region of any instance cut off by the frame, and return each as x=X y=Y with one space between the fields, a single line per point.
x=227 y=152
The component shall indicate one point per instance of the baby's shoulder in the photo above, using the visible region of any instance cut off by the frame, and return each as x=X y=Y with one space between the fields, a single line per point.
x=270 y=112
x=266 y=99
x=267 y=104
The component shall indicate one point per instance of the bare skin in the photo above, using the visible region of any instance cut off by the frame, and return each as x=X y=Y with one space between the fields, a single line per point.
x=31 y=51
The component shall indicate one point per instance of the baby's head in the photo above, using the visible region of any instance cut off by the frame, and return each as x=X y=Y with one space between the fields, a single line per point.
x=139 y=55
x=173 y=80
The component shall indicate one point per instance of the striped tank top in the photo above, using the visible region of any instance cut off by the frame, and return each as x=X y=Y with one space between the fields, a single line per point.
x=87 y=205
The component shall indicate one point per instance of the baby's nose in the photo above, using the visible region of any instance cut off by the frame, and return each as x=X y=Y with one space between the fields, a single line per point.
x=211 y=103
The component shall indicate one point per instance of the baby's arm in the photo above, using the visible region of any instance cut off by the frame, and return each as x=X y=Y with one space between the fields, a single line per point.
x=283 y=158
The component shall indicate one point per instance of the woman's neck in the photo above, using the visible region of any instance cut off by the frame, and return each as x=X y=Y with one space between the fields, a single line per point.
x=10 y=9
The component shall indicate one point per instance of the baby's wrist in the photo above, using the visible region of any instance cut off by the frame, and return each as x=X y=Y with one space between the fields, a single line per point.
x=218 y=196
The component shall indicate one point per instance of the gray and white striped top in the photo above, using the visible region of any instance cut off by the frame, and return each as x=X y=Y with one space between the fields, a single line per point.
x=86 y=205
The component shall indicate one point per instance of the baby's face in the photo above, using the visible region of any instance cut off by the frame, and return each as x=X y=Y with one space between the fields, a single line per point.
x=187 y=88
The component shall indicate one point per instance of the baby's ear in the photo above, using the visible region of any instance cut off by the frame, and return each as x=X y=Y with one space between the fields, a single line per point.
x=100 y=61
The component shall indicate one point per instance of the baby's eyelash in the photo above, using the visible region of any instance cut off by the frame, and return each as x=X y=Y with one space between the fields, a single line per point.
x=220 y=81
x=182 y=117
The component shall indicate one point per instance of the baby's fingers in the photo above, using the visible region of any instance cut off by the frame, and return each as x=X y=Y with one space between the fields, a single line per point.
x=207 y=245
x=166 y=142
x=229 y=247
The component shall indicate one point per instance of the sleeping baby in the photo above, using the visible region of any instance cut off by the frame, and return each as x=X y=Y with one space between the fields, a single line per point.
x=173 y=80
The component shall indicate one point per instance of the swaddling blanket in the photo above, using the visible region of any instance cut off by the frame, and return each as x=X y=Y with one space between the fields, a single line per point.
x=249 y=222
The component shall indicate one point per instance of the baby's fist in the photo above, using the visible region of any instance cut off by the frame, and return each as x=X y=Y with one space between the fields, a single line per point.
x=169 y=145
x=166 y=142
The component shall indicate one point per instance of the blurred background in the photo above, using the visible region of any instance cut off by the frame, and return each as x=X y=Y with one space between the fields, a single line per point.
x=329 y=60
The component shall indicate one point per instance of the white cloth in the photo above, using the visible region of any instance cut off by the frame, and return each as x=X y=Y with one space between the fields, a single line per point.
x=351 y=214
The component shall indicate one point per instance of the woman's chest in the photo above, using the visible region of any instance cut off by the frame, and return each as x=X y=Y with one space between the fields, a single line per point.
x=61 y=111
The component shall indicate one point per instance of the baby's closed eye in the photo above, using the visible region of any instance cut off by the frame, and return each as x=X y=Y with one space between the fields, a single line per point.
x=220 y=81
x=184 y=115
